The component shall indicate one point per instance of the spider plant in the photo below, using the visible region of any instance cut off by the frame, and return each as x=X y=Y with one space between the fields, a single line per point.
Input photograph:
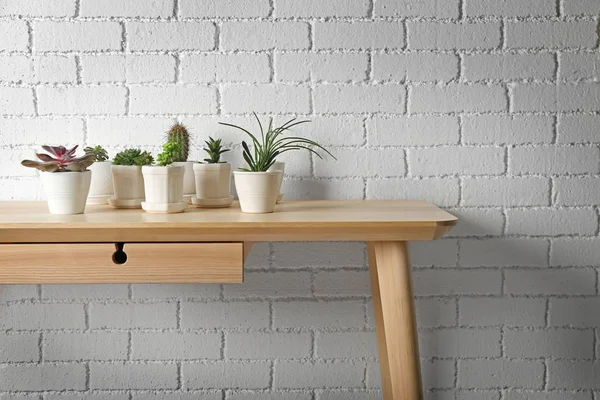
x=273 y=143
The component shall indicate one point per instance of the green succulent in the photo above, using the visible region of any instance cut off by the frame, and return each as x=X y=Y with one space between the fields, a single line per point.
x=133 y=157
x=98 y=151
x=214 y=149
x=180 y=135
x=169 y=154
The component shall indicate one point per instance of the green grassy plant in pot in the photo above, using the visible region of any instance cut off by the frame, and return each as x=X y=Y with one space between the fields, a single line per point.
x=163 y=183
x=257 y=187
x=66 y=178
x=101 y=188
x=213 y=178
x=180 y=135
x=128 y=181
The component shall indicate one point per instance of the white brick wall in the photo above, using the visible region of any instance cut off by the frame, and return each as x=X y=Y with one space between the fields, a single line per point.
x=489 y=108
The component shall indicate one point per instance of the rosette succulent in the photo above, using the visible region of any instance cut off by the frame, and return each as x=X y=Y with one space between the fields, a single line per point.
x=100 y=155
x=60 y=159
x=133 y=157
x=214 y=149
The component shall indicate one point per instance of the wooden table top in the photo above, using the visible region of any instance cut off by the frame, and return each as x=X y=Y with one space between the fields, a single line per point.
x=320 y=220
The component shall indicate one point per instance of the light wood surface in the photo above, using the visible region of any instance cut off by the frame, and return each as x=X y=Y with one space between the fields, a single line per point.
x=247 y=249
x=395 y=320
x=146 y=263
x=349 y=220
x=166 y=248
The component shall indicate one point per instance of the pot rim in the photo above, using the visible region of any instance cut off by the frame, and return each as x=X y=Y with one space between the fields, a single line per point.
x=199 y=165
x=162 y=166
x=124 y=166
x=162 y=170
x=65 y=172
x=237 y=172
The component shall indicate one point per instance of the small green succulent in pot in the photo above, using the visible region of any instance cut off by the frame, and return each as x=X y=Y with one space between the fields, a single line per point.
x=65 y=177
x=257 y=184
x=163 y=182
x=60 y=159
x=101 y=188
x=133 y=157
x=127 y=176
x=214 y=149
x=170 y=153
x=100 y=155
x=213 y=177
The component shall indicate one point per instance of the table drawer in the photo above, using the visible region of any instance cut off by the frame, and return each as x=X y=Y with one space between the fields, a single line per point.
x=122 y=263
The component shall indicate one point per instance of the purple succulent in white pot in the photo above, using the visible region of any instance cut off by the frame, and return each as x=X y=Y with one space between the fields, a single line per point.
x=65 y=178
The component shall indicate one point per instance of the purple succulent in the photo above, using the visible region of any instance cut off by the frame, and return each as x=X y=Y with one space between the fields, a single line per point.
x=60 y=159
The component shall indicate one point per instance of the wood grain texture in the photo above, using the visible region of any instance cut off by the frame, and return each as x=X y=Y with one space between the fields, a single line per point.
x=146 y=263
x=247 y=249
x=344 y=220
x=395 y=320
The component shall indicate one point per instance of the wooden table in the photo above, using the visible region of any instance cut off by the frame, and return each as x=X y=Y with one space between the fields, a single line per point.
x=209 y=246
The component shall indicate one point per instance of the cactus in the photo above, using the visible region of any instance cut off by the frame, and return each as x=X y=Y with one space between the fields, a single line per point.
x=180 y=135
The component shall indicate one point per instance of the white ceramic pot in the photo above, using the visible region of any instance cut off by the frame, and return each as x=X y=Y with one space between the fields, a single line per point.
x=278 y=166
x=101 y=188
x=128 y=182
x=257 y=191
x=213 y=181
x=189 y=185
x=163 y=185
x=66 y=191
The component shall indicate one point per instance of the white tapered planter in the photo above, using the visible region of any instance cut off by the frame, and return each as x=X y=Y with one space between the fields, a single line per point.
x=189 y=185
x=128 y=184
x=257 y=191
x=66 y=191
x=213 y=184
x=164 y=189
x=279 y=166
x=101 y=187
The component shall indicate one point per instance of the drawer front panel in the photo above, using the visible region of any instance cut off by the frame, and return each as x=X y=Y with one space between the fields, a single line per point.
x=136 y=263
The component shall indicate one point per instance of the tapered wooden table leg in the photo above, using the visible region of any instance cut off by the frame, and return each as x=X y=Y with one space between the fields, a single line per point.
x=395 y=320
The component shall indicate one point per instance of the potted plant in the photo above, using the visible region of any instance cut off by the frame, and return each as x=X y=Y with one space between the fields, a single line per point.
x=213 y=178
x=279 y=166
x=101 y=188
x=257 y=187
x=128 y=181
x=179 y=134
x=164 y=183
x=65 y=178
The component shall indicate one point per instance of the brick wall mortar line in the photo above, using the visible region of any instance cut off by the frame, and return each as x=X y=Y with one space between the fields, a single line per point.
x=559 y=133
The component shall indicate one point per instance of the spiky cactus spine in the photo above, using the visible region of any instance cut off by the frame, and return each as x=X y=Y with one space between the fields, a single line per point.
x=179 y=134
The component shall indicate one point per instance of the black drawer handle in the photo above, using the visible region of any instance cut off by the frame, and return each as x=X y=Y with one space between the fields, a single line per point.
x=119 y=257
